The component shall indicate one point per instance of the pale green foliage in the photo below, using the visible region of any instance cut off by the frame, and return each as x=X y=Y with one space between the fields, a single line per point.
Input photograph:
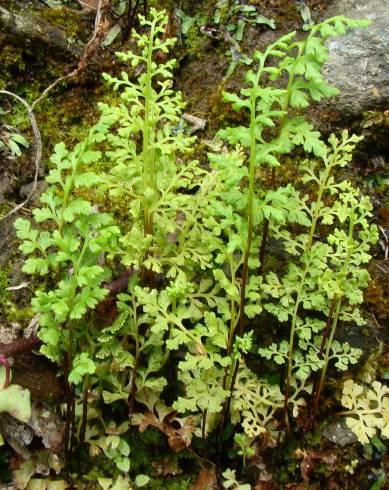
x=147 y=177
x=113 y=443
x=82 y=365
x=239 y=208
x=121 y=483
x=69 y=247
x=230 y=481
x=323 y=270
x=190 y=237
x=368 y=409
x=14 y=399
x=256 y=401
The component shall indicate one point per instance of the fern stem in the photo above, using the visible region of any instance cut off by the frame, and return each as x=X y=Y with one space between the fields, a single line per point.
x=336 y=315
x=250 y=200
x=326 y=357
x=131 y=398
x=148 y=136
x=70 y=402
x=315 y=218
x=82 y=427
x=284 y=107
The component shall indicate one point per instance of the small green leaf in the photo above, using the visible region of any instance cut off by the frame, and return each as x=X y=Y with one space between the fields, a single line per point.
x=21 y=140
x=36 y=265
x=82 y=364
x=14 y=400
x=75 y=208
x=141 y=480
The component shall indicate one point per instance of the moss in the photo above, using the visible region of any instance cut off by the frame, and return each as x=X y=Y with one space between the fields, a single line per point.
x=377 y=293
x=195 y=41
x=8 y=309
x=20 y=315
x=4 y=208
x=171 y=483
x=65 y=19
x=11 y=61
x=5 y=296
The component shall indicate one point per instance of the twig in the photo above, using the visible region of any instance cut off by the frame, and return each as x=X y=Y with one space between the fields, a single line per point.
x=20 y=346
x=38 y=150
x=99 y=32
x=50 y=87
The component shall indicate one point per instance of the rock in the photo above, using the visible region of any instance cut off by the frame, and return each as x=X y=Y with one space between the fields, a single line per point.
x=9 y=333
x=46 y=425
x=26 y=189
x=339 y=433
x=30 y=27
x=7 y=238
x=18 y=435
x=359 y=60
x=7 y=184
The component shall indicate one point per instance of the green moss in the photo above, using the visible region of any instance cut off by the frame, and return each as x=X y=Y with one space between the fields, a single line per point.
x=4 y=208
x=65 y=19
x=5 y=296
x=8 y=309
x=20 y=315
x=195 y=41
x=171 y=483
x=11 y=61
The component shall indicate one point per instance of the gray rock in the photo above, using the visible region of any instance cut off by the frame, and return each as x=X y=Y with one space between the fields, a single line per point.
x=7 y=237
x=18 y=435
x=359 y=60
x=26 y=189
x=339 y=433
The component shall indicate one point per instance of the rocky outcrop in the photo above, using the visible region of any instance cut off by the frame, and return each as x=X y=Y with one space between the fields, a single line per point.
x=359 y=60
x=32 y=28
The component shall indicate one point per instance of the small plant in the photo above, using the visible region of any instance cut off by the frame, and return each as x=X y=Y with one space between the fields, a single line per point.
x=154 y=265
x=70 y=250
x=13 y=399
x=237 y=16
x=14 y=142
x=230 y=481
x=368 y=409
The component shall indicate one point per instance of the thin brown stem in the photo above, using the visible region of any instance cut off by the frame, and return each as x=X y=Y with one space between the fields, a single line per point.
x=224 y=414
x=204 y=425
x=84 y=411
x=327 y=327
x=20 y=346
x=67 y=427
x=265 y=231
x=326 y=332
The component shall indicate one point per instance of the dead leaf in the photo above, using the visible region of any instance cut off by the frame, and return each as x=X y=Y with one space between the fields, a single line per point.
x=266 y=485
x=206 y=480
x=179 y=430
x=165 y=467
x=308 y=461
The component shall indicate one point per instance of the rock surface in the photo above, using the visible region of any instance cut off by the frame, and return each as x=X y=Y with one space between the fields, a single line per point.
x=339 y=433
x=359 y=60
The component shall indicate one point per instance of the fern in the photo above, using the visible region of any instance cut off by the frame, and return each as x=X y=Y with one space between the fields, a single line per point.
x=191 y=240
x=368 y=409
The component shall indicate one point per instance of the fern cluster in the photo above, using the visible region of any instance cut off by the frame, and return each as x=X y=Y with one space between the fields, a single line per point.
x=192 y=240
